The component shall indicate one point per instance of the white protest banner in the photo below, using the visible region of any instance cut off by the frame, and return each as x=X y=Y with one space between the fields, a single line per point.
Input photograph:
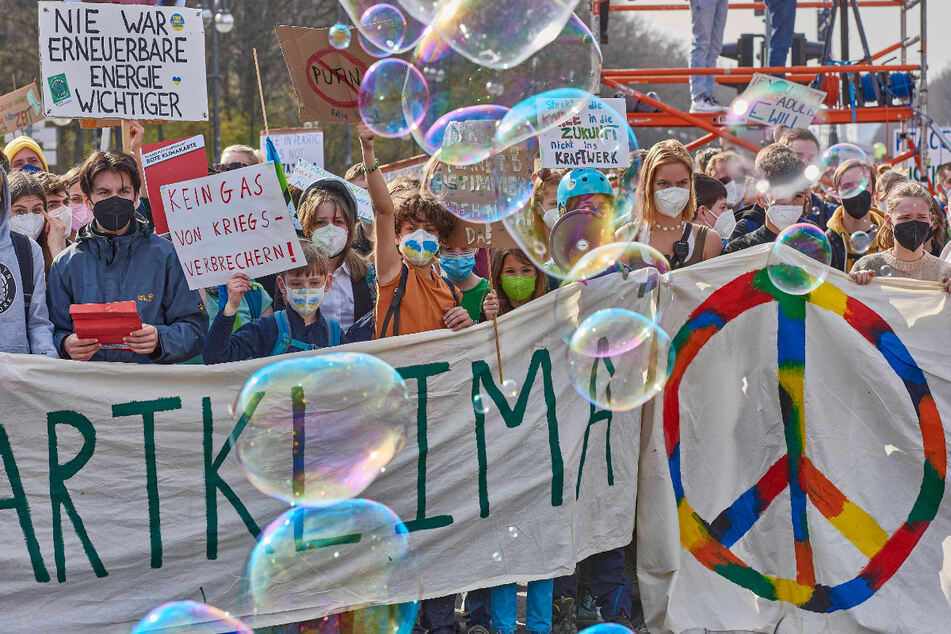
x=234 y=222
x=145 y=502
x=104 y=61
x=594 y=137
x=293 y=144
x=306 y=173
x=938 y=154
x=774 y=101
x=793 y=472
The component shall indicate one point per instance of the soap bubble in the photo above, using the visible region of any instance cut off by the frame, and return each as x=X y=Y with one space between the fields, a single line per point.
x=422 y=10
x=860 y=241
x=577 y=233
x=885 y=271
x=482 y=404
x=317 y=430
x=459 y=138
x=509 y=390
x=501 y=33
x=830 y=161
x=607 y=628
x=185 y=617
x=384 y=26
x=786 y=266
x=630 y=360
x=389 y=619
x=352 y=554
x=497 y=557
x=853 y=182
x=339 y=36
x=393 y=97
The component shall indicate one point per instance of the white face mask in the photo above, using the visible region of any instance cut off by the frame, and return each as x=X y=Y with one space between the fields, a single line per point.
x=65 y=215
x=419 y=247
x=784 y=216
x=28 y=224
x=304 y=301
x=671 y=201
x=331 y=238
x=551 y=217
x=734 y=193
x=725 y=223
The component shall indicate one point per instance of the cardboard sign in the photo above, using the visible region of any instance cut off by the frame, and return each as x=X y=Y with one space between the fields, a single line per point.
x=293 y=144
x=168 y=162
x=773 y=101
x=474 y=235
x=20 y=108
x=235 y=222
x=304 y=174
x=594 y=137
x=326 y=80
x=109 y=323
x=104 y=61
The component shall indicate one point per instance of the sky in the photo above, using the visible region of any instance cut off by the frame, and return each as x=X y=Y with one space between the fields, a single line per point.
x=881 y=28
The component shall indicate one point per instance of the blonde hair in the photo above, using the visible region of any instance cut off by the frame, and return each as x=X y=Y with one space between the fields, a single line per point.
x=898 y=193
x=243 y=149
x=716 y=159
x=663 y=153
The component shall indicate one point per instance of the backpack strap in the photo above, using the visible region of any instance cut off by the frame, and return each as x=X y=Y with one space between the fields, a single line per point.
x=24 y=255
x=394 y=310
x=253 y=298
x=452 y=289
x=283 y=334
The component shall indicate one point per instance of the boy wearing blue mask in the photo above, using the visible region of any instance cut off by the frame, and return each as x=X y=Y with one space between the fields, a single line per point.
x=458 y=264
x=298 y=327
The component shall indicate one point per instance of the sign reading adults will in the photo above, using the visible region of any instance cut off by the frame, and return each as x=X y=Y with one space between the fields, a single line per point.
x=594 y=137
x=103 y=61
x=235 y=222
x=305 y=173
x=294 y=144
x=774 y=101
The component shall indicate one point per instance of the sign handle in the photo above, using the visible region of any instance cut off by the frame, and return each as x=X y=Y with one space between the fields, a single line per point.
x=257 y=69
x=126 y=136
x=495 y=328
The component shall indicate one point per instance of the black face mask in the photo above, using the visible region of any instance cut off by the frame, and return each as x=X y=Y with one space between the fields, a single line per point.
x=911 y=234
x=857 y=206
x=113 y=213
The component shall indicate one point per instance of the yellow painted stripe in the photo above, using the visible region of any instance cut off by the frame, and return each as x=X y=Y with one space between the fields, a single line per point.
x=829 y=297
x=791 y=591
x=692 y=533
x=858 y=527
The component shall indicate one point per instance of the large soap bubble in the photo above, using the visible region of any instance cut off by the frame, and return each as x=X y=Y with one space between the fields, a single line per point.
x=393 y=97
x=830 y=161
x=412 y=30
x=317 y=430
x=384 y=26
x=188 y=617
x=788 y=270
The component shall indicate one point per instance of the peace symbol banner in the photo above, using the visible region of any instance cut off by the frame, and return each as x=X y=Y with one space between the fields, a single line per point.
x=119 y=490
x=792 y=474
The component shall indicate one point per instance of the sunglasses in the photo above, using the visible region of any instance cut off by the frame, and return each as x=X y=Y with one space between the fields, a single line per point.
x=228 y=167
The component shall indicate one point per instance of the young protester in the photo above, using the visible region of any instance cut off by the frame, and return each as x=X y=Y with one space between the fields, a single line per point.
x=908 y=225
x=55 y=188
x=702 y=158
x=328 y=215
x=300 y=326
x=25 y=326
x=855 y=215
x=806 y=146
x=943 y=186
x=727 y=168
x=458 y=264
x=76 y=201
x=117 y=258
x=785 y=197
x=883 y=186
x=28 y=215
x=363 y=238
x=709 y=21
x=25 y=154
x=667 y=206
x=235 y=157
x=939 y=231
x=712 y=209
x=519 y=279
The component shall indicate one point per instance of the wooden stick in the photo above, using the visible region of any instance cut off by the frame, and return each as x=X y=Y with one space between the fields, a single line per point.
x=126 y=136
x=257 y=69
x=495 y=327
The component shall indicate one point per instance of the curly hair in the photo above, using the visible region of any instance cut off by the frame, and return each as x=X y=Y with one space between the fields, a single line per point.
x=782 y=169
x=702 y=158
x=423 y=209
x=901 y=191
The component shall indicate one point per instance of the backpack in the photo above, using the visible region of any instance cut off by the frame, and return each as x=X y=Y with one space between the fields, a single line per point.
x=252 y=297
x=24 y=254
x=285 y=342
x=394 y=310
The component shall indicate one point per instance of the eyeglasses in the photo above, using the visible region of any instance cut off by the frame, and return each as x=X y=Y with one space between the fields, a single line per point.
x=228 y=167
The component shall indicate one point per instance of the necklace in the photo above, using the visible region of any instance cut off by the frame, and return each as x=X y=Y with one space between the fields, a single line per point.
x=674 y=228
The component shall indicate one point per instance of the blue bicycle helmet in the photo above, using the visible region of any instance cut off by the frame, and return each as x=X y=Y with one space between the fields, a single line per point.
x=583 y=181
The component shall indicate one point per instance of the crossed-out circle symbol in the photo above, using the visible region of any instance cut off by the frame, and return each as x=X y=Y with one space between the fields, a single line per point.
x=710 y=542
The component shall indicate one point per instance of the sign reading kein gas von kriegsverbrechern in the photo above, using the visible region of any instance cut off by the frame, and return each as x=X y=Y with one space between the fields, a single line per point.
x=104 y=61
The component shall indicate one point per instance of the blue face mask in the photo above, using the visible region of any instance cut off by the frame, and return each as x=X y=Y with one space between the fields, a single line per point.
x=31 y=169
x=457 y=267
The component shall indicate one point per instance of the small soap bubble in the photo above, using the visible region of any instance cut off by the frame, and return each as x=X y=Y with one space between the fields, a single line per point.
x=339 y=36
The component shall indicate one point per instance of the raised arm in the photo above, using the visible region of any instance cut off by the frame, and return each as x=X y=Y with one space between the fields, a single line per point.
x=387 y=256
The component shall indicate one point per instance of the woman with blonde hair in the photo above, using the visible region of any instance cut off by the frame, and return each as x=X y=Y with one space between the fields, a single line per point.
x=666 y=206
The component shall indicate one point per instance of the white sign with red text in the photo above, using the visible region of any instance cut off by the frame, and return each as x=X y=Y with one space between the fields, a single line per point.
x=234 y=222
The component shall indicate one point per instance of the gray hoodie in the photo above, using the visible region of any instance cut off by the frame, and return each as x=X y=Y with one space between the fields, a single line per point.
x=16 y=335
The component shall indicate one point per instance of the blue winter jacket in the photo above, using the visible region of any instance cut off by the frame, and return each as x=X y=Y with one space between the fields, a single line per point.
x=136 y=266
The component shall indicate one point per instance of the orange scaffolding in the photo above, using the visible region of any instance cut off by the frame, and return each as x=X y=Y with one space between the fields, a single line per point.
x=912 y=114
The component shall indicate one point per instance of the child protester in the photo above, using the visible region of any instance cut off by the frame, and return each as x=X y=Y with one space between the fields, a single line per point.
x=29 y=216
x=712 y=210
x=297 y=328
x=519 y=279
x=458 y=264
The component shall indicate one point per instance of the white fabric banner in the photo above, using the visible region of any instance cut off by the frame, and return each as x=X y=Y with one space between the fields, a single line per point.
x=118 y=491
x=799 y=448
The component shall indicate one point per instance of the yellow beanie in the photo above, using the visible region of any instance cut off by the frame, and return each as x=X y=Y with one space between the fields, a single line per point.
x=21 y=143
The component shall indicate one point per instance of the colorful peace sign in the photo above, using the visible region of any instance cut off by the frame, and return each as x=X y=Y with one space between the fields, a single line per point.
x=710 y=542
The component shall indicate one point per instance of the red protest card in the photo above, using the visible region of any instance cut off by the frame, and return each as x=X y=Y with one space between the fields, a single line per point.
x=168 y=162
x=109 y=323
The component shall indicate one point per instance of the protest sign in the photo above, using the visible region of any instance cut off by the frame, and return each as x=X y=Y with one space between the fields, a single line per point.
x=593 y=137
x=775 y=493
x=938 y=154
x=168 y=162
x=293 y=144
x=406 y=168
x=327 y=80
x=234 y=222
x=478 y=235
x=149 y=505
x=306 y=173
x=104 y=61
x=20 y=108
x=775 y=101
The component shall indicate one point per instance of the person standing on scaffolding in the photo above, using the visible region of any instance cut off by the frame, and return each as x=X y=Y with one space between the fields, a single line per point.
x=709 y=21
x=782 y=17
